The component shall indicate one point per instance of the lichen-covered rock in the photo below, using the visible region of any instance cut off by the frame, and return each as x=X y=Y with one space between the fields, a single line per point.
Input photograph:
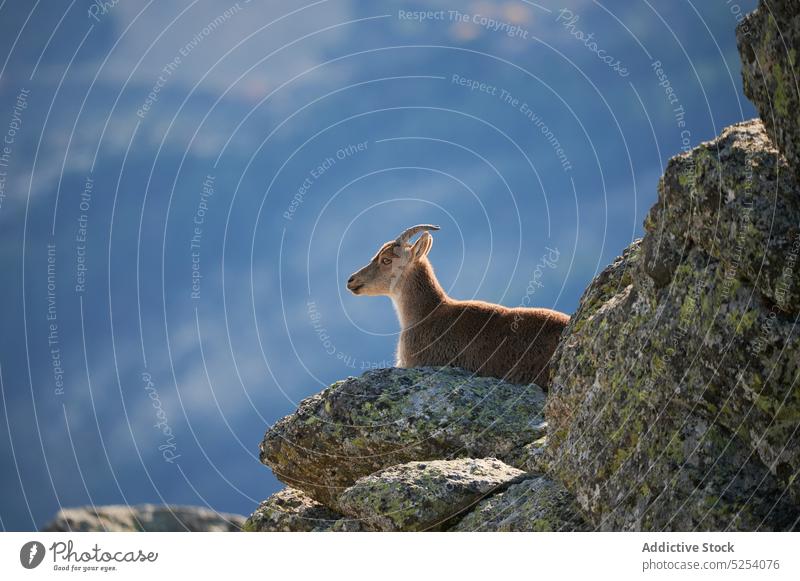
x=734 y=198
x=769 y=43
x=424 y=496
x=675 y=402
x=349 y=525
x=536 y=457
x=290 y=510
x=143 y=518
x=392 y=416
x=535 y=504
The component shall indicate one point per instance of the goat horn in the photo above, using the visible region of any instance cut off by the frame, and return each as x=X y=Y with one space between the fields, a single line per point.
x=406 y=236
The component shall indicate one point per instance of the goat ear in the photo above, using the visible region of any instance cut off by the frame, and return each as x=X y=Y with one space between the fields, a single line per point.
x=422 y=246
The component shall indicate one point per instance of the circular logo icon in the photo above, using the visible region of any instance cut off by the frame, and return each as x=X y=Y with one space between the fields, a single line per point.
x=31 y=554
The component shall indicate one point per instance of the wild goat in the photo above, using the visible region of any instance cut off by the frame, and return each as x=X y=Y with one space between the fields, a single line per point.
x=514 y=344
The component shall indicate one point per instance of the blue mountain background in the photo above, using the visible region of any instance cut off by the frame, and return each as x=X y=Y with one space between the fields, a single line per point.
x=187 y=185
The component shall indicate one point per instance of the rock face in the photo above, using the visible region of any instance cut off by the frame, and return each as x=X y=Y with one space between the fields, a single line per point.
x=535 y=504
x=735 y=200
x=392 y=416
x=675 y=401
x=769 y=43
x=676 y=397
x=423 y=496
x=143 y=518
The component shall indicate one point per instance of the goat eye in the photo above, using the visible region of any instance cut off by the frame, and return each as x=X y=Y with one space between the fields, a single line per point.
x=386 y=260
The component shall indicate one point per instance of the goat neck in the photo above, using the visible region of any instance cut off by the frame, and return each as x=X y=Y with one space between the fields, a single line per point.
x=418 y=295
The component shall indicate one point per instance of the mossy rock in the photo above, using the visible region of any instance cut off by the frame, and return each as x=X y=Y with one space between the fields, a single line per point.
x=290 y=510
x=675 y=401
x=537 y=504
x=769 y=40
x=387 y=417
x=424 y=496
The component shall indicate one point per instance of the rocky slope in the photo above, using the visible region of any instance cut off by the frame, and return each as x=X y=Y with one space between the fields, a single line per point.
x=674 y=404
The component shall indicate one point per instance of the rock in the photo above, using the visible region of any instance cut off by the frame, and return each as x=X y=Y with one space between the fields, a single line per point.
x=769 y=42
x=675 y=401
x=290 y=510
x=143 y=518
x=536 y=460
x=535 y=504
x=392 y=416
x=735 y=199
x=349 y=525
x=422 y=496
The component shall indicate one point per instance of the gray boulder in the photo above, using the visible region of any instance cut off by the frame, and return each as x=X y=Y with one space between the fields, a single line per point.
x=388 y=417
x=533 y=505
x=143 y=518
x=290 y=510
x=424 y=496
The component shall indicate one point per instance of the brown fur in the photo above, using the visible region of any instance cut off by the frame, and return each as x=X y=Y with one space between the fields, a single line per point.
x=515 y=344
